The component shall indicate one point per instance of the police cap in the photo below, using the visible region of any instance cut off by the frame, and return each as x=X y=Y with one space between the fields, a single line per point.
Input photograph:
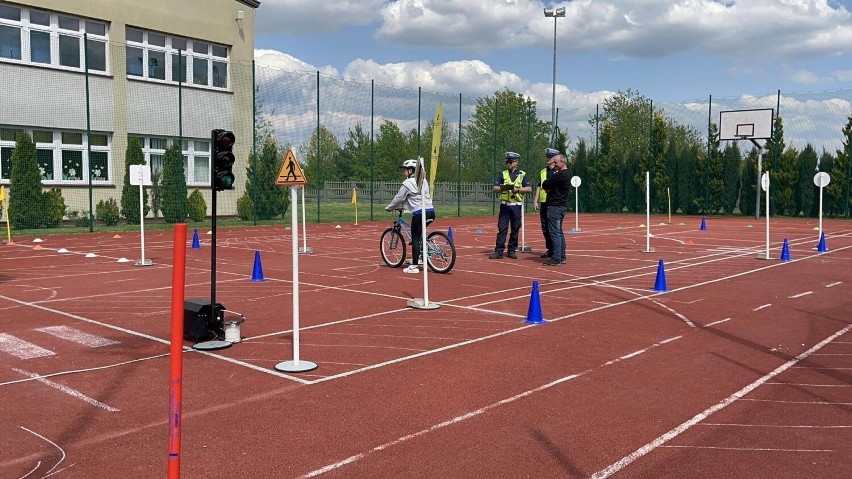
x=512 y=156
x=551 y=152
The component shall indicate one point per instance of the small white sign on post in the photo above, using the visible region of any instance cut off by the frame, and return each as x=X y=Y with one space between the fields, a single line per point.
x=141 y=175
x=821 y=180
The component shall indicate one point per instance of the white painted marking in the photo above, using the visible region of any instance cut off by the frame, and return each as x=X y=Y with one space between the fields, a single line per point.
x=67 y=390
x=21 y=349
x=774 y=425
x=751 y=449
x=762 y=307
x=438 y=426
x=833 y=284
x=800 y=294
x=714 y=323
x=628 y=356
x=77 y=336
x=642 y=451
x=828 y=403
x=50 y=442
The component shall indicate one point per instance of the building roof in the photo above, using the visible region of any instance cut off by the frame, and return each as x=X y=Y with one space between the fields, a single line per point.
x=251 y=3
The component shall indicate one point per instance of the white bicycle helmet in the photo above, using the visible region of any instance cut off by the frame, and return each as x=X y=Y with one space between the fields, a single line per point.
x=409 y=164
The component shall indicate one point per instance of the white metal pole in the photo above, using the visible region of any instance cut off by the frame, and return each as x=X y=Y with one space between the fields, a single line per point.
x=648 y=210
x=424 y=256
x=767 y=214
x=576 y=209
x=304 y=221
x=294 y=227
x=142 y=221
x=820 y=212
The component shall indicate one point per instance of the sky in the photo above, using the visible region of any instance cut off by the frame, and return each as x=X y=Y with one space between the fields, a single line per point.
x=666 y=50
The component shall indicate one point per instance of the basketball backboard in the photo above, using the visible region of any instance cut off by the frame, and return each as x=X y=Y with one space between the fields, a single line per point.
x=746 y=124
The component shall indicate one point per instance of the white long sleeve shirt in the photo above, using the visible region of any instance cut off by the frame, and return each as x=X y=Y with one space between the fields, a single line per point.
x=409 y=198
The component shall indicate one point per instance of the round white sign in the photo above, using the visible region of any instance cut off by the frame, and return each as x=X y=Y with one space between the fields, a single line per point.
x=575 y=181
x=764 y=181
x=822 y=179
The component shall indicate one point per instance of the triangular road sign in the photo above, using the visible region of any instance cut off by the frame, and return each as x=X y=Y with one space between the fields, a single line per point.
x=290 y=172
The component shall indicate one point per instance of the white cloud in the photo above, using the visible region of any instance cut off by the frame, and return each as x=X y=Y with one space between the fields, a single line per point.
x=842 y=75
x=806 y=77
x=283 y=61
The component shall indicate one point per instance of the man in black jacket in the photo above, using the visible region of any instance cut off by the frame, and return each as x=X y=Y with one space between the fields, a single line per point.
x=557 y=188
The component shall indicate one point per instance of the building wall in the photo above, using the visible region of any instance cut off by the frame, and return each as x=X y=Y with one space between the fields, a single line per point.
x=52 y=98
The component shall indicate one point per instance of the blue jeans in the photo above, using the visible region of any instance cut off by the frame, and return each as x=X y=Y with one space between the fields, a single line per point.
x=555 y=215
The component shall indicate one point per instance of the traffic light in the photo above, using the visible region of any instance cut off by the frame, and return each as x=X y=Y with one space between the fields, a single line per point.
x=223 y=159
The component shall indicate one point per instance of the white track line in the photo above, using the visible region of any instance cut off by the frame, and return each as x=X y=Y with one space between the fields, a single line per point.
x=21 y=349
x=67 y=390
x=714 y=323
x=51 y=443
x=77 y=336
x=800 y=294
x=763 y=306
x=642 y=451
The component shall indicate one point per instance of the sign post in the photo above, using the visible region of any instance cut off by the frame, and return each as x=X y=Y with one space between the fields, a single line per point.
x=821 y=179
x=141 y=175
x=764 y=183
x=576 y=182
x=291 y=175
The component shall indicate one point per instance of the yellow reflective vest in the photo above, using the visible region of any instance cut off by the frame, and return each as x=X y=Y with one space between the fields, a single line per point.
x=508 y=196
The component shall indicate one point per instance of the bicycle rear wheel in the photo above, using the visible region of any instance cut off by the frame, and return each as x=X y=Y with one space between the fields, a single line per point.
x=392 y=247
x=442 y=252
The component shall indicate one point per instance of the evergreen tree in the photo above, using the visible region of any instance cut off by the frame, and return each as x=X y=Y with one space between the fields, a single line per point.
x=392 y=148
x=784 y=181
x=355 y=156
x=805 y=188
x=837 y=192
x=27 y=205
x=268 y=200
x=732 y=161
x=174 y=185
x=748 y=182
x=130 y=193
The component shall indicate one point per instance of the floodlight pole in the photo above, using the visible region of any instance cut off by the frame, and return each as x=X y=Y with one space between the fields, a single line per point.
x=555 y=13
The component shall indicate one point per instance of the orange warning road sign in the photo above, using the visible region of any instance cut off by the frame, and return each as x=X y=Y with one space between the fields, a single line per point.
x=290 y=172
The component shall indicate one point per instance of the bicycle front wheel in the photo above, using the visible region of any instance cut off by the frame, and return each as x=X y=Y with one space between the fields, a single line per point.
x=442 y=252
x=392 y=247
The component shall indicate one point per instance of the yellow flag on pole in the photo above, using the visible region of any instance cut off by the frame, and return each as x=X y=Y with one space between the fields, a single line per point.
x=354 y=196
x=437 y=126
x=2 y=194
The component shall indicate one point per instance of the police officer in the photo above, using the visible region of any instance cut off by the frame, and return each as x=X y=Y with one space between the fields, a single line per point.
x=540 y=200
x=512 y=184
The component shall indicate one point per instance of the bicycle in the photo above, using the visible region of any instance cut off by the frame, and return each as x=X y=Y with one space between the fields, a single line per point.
x=441 y=252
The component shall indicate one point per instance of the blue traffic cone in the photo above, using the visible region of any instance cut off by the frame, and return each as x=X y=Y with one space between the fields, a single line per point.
x=534 y=312
x=195 y=244
x=703 y=223
x=257 y=273
x=450 y=234
x=660 y=283
x=822 y=248
x=785 y=251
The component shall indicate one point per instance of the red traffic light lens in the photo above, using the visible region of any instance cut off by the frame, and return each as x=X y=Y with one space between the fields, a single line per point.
x=225 y=139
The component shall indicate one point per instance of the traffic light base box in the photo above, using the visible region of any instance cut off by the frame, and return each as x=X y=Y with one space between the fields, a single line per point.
x=199 y=322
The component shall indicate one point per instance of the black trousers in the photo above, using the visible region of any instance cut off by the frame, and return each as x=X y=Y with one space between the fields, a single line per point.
x=542 y=215
x=508 y=215
x=417 y=232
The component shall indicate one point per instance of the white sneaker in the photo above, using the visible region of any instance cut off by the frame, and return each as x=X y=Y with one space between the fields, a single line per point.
x=411 y=269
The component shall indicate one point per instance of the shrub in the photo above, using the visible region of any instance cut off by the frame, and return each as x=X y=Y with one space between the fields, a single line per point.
x=245 y=208
x=130 y=193
x=196 y=207
x=106 y=211
x=80 y=220
x=54 y=207
x=26 y=201
x=174 y=185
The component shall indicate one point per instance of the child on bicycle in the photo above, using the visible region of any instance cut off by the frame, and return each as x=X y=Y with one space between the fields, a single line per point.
x=408 y=198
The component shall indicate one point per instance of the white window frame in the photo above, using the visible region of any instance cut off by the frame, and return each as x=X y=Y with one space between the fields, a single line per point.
x=189 y=57
x=57 y=147
x=192 y=150
x=26 y=27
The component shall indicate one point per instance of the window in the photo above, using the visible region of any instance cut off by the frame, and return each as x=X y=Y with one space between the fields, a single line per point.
x=50 y=39
x=159 y=57
x=63 y=156
x=196 y=157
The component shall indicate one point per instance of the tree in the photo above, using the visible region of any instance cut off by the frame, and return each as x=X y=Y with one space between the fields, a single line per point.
x=392 y=148
x=267 y=200
x=504 y=122
x=323 y=167
x=355 y=161
x=655 y=163
x=26 y=201
x=174 y=185
x=804 y=190
x=130 y=193
x=732 y=161
x=841 y=176
x=748 y=180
